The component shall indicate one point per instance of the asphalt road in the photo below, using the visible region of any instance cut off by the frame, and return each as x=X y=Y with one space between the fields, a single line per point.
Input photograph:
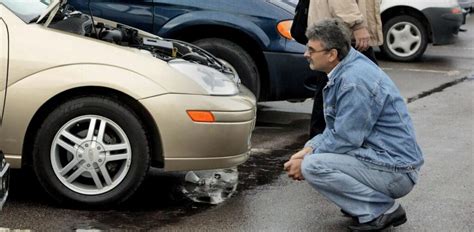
x=440 y=91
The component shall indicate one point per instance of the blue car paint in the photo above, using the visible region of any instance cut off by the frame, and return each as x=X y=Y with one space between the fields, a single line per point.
x=282 y=67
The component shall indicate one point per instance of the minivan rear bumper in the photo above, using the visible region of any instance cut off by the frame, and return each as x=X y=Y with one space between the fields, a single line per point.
x=445 y=28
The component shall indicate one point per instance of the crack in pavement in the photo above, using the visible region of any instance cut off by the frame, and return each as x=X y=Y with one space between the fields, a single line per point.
x=439 y=88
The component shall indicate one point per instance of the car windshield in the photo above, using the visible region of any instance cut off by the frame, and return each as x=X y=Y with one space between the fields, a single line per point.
x=27 y=10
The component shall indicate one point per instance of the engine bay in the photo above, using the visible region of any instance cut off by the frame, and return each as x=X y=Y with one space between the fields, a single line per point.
x=69 y=20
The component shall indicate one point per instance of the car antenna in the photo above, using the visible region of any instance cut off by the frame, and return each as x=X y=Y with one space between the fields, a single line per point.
x=92 y=18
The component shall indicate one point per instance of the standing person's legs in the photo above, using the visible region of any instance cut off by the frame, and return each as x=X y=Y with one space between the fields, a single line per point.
x=356 y=188
x=317 y=123
x=369 y=53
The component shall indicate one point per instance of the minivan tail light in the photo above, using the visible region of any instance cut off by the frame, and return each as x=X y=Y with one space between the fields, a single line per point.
x=456 y=10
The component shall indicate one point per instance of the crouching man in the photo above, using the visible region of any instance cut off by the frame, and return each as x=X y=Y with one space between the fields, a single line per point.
x=367 y=155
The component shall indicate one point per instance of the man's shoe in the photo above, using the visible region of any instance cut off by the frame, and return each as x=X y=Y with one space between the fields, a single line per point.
x=346 y=214
x=395 y=218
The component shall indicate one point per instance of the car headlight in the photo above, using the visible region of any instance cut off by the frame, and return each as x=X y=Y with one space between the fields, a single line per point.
x=213 y=81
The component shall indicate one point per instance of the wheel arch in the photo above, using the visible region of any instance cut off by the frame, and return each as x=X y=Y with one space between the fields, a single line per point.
x=247 y=42
x=144 y=116
x=406 y=10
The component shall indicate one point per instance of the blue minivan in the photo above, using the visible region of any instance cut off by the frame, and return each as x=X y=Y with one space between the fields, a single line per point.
x=250 y=35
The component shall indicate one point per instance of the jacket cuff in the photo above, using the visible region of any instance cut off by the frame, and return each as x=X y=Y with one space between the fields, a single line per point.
x=359 y=25
x=314 y=142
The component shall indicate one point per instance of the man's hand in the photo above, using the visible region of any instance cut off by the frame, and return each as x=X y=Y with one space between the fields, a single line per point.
x=361 y=37
x=293 y=168
x=301 y=153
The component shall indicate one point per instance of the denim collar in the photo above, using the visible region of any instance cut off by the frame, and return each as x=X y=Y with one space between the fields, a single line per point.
x=334 y=72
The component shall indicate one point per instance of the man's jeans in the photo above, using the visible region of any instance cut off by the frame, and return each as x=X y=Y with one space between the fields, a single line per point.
x=355 y=187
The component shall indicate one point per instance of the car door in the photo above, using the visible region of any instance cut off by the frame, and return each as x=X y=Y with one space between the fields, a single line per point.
x=3 y=64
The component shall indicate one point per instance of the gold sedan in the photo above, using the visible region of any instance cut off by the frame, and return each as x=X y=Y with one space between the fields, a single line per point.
x=91 y=105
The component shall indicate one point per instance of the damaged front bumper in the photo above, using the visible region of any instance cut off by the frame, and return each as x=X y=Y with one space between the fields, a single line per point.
x=4 y=180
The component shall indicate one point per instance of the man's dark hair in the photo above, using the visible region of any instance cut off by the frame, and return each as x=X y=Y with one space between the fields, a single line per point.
x=333 y=34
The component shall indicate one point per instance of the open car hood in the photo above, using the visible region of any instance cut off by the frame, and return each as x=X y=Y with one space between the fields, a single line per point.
x=59 y=15
x=53 y=6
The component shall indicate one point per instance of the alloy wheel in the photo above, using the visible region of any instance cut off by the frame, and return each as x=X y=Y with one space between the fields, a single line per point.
x=91 y=155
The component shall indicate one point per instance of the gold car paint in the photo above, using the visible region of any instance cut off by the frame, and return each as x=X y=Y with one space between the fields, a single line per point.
x=3 y=65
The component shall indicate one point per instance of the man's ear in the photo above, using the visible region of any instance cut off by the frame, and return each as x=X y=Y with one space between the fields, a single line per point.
x=333 y=55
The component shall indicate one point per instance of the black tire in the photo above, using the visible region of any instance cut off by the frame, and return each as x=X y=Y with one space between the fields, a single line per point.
x=236 y=56
x=121 y=125
x=392 y=46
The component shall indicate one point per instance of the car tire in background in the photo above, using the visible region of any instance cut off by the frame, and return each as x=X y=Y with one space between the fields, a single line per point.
x=237 y=58
x=91 y=150
x=405 y=38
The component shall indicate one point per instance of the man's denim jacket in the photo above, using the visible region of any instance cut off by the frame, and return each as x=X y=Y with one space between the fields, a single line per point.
x=366 y=117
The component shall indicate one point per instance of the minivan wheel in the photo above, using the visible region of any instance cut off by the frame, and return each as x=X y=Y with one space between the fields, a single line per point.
x=405 y=38
x=238 y=59
x=91 y=150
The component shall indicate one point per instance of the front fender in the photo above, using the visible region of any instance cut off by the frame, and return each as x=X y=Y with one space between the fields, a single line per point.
x=25 y=97
x=198 y=18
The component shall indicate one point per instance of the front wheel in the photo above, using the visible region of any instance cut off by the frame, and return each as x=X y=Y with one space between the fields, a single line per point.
x=405 y=38
x=91 y=150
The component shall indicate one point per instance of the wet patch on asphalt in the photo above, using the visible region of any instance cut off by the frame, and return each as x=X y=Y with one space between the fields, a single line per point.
x=264 y=168
x=278 y=135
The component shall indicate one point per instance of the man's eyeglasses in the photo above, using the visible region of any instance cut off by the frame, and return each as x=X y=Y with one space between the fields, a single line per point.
x=311 y=50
